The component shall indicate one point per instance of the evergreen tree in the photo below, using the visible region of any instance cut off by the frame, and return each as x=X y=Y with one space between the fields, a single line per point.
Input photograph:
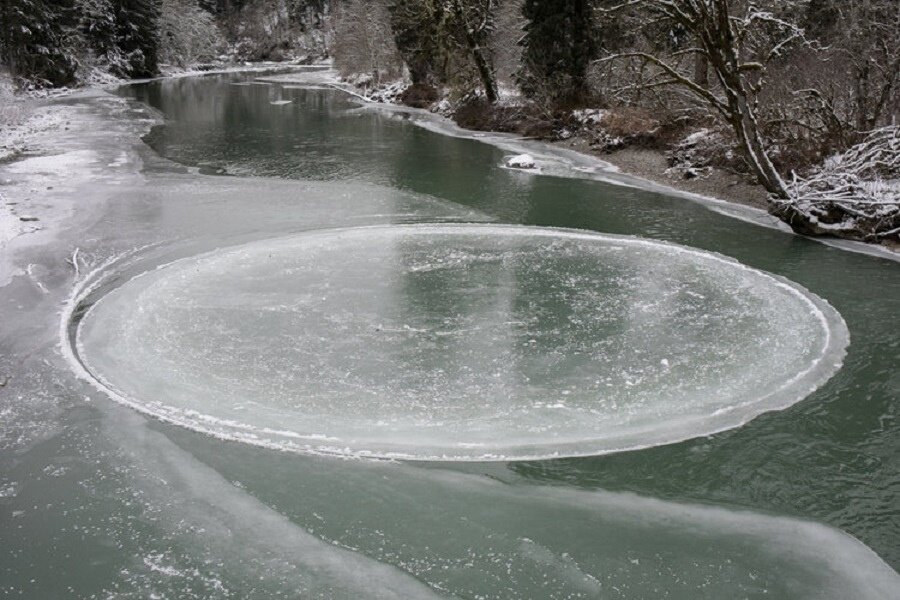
x=415 y=24
x=34 y=40
x=100 y=32
x=123 y=34
x=557 y=49
x=136 y=27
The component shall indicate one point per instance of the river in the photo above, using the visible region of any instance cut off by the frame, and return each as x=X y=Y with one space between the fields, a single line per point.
x=100 y=500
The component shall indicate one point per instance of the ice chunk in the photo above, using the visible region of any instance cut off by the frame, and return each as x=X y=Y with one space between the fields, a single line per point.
x=521 y=161
x=458 y=342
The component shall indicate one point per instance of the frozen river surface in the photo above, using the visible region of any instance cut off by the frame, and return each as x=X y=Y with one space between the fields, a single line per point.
x=313 y=276
x=459 y=342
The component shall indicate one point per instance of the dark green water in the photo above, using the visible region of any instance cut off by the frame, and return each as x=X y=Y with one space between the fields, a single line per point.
x=834 y=457
x=97 y=501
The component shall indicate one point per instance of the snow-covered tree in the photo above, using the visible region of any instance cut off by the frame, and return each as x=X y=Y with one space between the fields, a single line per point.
x=753 y=49
x=137 y=25
x=737 y=40
x=187 y=33
x=363 y=42
x=34 y=40
x=855 y=85
x=558 y=46
x=122 y=34
x=446 y=40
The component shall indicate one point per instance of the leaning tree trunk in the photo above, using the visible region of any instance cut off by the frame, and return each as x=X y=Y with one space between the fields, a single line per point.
x=721 y=48
x=746 y=128
x=482 y=64
x=722 y=54
x=485 y=72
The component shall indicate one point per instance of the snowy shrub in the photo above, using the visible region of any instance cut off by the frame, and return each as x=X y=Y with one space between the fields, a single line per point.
x=853 y=194
x=695 y=155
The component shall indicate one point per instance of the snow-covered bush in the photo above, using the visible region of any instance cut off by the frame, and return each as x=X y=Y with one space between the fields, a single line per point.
x=610 y=130
x=696 y=154
x=855 y=194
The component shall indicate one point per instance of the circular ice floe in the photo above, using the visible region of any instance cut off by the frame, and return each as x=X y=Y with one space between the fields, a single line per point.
x=459 y=342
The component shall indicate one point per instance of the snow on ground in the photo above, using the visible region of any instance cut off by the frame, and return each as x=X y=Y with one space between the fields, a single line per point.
x=590 y=116
x=17 y=135
x=171 y=71
x=509 y=96
x=59 y=147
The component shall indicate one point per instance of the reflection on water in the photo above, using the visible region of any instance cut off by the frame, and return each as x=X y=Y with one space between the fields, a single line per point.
x=96 y=501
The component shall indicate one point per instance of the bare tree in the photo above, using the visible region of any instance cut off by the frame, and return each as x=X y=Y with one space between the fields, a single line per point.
x=363 y=41
x=474 y=20
x=737 y=40
x=845 y=73
x=863 y=40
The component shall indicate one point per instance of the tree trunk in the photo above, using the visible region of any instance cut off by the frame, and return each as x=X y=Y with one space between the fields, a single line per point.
x=485 y=72
x=701 y=70
x=719 y=42
x=582 y=50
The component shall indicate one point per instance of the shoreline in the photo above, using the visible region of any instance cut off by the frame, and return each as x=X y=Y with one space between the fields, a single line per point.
x=631 y=167
x=651 y=164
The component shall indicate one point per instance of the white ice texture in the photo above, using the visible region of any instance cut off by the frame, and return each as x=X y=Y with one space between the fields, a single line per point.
x=459 y=342
x=521 y=161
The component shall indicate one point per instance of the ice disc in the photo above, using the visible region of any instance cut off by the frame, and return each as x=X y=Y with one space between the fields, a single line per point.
x=459 y=342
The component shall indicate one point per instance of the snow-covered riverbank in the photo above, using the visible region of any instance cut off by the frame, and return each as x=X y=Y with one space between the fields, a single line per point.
x=34 y=132
x=723 y=193
x=30 y=125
